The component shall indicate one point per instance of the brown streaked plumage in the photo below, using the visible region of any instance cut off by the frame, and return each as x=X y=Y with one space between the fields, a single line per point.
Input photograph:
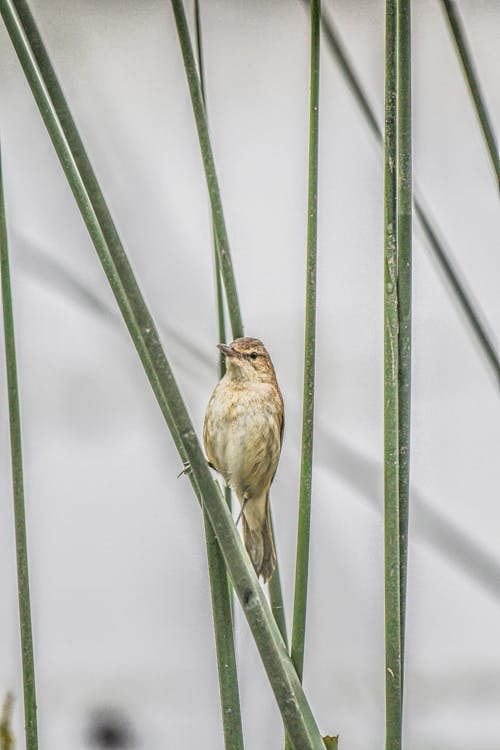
x=243 y=432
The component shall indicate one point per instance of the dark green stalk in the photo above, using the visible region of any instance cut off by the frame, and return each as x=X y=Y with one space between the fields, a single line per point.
x=472 y=314
x=218 y=277
x=391 y=397
x=222 y=244
x=297 y=716
x=460 y=39
x=275 y=591
x=302 y=564
x=224 y=641
x=30 y=720
x=404 y=244
x=276 y=598
x=220 y=587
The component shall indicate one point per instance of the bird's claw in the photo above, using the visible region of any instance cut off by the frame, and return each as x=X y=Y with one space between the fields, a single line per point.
x=186 y=470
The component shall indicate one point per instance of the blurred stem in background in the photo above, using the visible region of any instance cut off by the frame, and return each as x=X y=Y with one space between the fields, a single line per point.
x=463 y=52
x=303 y=534
x=391 y=396
x=298 y=719
x=404 y=264
x=442 y=254
x=197 y=89
x=30 y=719
x=6 y=736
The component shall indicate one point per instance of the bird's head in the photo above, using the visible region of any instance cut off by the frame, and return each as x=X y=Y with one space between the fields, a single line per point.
x=247 y=359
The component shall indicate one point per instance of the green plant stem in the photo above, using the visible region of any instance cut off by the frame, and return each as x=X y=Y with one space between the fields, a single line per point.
x=302 y=564
x=30 y=719
x=461 y=45
x=443 y=255
x=297 y=716
x=275 y=590
x=222 y=244
x=220 y=586
x=218 y=276
x=404 y=244
x=276 y=598
x=224 y=641
x=391 y=396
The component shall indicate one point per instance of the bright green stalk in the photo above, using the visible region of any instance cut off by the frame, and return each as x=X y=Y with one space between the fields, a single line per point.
x=404 y=245
x=391 y=397
x=302 y=564
x=297 y=716
x=221 y=589
x=460 y=39
x=275 y=591
x=30 y=721
x=441 y=253
x=222 y=244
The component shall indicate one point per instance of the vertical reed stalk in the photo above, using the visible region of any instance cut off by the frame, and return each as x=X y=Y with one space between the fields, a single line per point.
x=443 y=255
x=462 y=47
x=222 y=244
x=218 y=277
x=391 y=397
x=220 y=586
x=275 y=591
x=30 y=719
x=404 y=245
x=302 y=563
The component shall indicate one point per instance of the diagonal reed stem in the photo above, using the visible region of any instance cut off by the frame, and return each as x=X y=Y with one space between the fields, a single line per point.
x=30 y=719
x=462 y=47
x=391 y=395
x=298 y=719
x=404 y=245
x=443 y=255
x=302 y=563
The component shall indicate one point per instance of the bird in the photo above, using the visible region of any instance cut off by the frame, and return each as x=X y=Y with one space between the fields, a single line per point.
x=243 y=435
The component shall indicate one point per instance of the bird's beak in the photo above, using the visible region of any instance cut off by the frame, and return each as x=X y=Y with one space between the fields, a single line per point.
x=227 y=350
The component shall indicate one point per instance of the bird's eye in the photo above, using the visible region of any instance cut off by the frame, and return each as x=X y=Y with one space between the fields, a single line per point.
x=253 y=355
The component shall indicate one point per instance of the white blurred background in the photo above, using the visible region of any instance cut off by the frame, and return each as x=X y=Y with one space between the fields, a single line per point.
x=120 y=597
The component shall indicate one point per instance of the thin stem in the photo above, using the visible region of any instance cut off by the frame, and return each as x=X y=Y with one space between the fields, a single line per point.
x=469 y=307
x=404 y=245
x=220 y=587
x=302 y=564
x=391 y=397
x=222 y=244
x=224 y=641
x=275 y=591
x=30 y=719
x=298 y=719
x=218 y=276
x=276 y=597
x=462 y=47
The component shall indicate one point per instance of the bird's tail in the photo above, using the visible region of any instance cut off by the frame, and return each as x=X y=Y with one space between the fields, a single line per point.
x=259 y=542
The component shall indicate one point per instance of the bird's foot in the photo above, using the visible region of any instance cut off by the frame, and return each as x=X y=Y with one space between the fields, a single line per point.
x=245 y=501
x=186 y=470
